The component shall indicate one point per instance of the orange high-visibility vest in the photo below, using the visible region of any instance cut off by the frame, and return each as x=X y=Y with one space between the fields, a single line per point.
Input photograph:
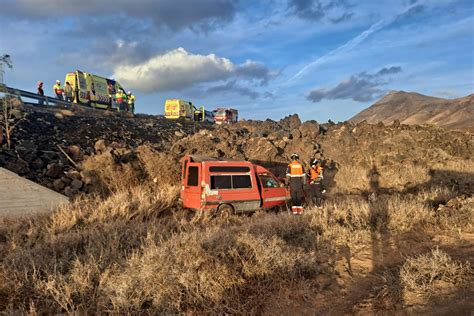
x=315 y=172
x=296 y=169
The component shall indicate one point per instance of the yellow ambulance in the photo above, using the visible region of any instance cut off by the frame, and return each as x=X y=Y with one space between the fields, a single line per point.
x=176 y=108
x=92 y=90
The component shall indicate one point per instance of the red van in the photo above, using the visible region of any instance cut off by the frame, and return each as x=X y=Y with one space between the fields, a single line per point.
x=212 y=183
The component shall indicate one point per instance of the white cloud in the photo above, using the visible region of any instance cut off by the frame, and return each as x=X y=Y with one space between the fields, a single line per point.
x=178 y=69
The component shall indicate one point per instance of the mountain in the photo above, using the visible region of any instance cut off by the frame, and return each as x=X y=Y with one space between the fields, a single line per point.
x=415 y=108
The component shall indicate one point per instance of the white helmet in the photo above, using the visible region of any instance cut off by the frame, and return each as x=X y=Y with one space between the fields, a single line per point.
x=129 y=92
x=57 y=81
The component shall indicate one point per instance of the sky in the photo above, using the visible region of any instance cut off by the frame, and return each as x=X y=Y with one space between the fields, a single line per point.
x=321 y=59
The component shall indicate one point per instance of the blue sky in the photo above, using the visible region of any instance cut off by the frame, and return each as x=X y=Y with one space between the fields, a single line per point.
x=322 y=59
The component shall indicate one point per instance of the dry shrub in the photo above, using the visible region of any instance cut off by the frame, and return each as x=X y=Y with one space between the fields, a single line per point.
x=355 y=179
x=59 y=261
x=74 y=291
x=217 y=270
x=403 y=176
x=425 y=273
x=125 y=204
x=114 y=170
x=465 y=167
x=456 y=214
x=163 y=168
x=351 y=179
x=107 y=175
x=174 y=276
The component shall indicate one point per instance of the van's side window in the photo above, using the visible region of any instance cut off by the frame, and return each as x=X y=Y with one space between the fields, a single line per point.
x=193 y=176
x=221 y=182
x=241 y=182
x=230 y=182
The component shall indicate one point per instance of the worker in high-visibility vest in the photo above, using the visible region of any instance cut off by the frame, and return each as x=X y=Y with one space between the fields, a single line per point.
x=119 y=98
x=297 y=177
x=58 y=90
x=131 y=102
x=315 y=182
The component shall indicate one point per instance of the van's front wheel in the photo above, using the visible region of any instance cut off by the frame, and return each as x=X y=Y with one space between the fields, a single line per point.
x=225 y=211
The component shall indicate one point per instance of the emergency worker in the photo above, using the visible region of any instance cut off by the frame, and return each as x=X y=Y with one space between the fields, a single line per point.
x=315 y=182
x=68 y=92
x=58 y=90
x=40 y=92
x=296 y=176
x=119 y=98
x=131 y=102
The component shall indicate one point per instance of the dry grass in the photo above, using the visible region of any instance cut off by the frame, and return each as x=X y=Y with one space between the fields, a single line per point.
x=135 y=250
x=108 y=172
x=426 y=273
x=350 y=179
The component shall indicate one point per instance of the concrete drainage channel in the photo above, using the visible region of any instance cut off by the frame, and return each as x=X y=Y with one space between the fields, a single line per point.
x=22 y=197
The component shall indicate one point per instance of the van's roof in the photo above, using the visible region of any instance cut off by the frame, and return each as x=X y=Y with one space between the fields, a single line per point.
x=200 y=158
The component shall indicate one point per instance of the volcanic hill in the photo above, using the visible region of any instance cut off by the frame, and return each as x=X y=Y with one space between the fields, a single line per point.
x=414 y=108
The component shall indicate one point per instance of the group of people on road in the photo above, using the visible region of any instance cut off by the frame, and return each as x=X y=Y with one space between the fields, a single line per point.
x=297 y=178
x=124 y=101
x=63 y=93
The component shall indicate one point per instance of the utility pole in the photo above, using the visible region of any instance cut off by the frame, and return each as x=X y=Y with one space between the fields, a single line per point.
x=5 y=60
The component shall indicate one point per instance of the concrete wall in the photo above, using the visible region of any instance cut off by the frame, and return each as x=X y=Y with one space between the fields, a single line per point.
x=20 y=196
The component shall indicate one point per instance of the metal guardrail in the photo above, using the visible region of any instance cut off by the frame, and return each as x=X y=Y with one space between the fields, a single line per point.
x=30 y=95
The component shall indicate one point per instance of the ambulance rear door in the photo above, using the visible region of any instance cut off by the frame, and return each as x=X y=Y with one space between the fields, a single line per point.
x=82 y=87
x=71 y=78
x=101 y=92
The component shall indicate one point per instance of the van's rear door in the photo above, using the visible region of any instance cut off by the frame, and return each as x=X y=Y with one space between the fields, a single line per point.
x=273 y=194
x=192 y=186
x=82 y=87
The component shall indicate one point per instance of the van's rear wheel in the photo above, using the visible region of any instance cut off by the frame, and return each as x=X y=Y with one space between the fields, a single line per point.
x=225 y=211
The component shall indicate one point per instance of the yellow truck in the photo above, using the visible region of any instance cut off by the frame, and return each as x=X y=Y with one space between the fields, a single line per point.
x=92 y=90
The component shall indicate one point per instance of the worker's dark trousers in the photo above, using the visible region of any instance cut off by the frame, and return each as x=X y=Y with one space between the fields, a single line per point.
x=296 y=190
x=316 y=193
